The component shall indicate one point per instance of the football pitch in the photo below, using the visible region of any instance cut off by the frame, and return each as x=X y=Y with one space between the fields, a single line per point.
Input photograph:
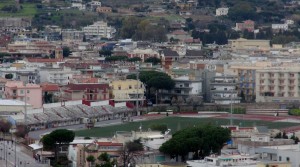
x=177 y=123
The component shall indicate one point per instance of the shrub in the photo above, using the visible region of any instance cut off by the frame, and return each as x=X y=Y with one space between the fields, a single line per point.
x=294 y=112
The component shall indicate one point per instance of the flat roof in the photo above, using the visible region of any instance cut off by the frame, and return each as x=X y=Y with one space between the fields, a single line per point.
x=10 y=102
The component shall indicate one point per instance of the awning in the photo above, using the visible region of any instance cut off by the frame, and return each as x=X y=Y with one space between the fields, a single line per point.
x=35 y=146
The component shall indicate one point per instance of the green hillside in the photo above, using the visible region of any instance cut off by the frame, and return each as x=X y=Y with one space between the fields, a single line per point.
x=9 y=8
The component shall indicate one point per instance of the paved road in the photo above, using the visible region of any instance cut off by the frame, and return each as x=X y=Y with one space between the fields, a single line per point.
x=36 y=134
x=8 y=152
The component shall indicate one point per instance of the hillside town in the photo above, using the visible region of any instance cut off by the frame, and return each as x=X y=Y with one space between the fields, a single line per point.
x=146 y=83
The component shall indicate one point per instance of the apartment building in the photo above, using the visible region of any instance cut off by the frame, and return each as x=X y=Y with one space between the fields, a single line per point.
x=185 y=87
x=87 y=92
x=14 y=24
x=143 y=53
x=2 y=87
x=72 y=35
x=19 y=91
x=246 y=74
x=277 y=85
x=223 y=90
x=99 y=29
x=59 y=76
x=128 y=90
x=242 y=43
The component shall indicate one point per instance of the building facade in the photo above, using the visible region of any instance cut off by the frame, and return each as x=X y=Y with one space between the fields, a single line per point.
x=185 y=87
x=242 y=43
x=277 y=85
x=19 y=91
x=87 y=92
x=222 y=11
x=128 y=90
x=99 y=29
x=223 y=90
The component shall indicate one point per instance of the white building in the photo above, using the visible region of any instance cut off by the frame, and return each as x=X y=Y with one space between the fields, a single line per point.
x=80 y=6
x=222 y=11
x=284 y=27
x=99 y=29
x=223 y=90
x=60 y=76
x=289 y=22
x=284 y=153
x=184 y=87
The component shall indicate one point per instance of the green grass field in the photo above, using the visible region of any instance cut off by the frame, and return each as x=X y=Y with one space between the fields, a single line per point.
x=28 y=9
x=175 y=123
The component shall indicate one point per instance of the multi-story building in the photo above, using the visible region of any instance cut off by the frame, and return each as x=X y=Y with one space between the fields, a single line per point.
x=277 y=85
x=87 y=92
x=2 y=87
x=13 y=24
x=185 y=87
x=31 y=48
x=97 y=148
x=223 y=90
x=57 y=75
x=128 y=90
x=143 y=53
x=72 y=35
x=222 y=11
x=242 y=43
x=99 y=29
x=18 y=90
x=246 y=74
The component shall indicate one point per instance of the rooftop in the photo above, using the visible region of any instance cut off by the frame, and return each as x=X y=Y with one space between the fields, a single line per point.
x=8 y=102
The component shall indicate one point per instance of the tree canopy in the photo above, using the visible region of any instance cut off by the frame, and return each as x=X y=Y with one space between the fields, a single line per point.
x=66 y=51
x=130 y=151
x=56 y=138
x=155 y=79
x=201 y=140
x=142 y=29
x=153 y=60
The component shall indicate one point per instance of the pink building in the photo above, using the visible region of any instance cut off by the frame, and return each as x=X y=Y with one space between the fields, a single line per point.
x=246 y=25
x=17 y=90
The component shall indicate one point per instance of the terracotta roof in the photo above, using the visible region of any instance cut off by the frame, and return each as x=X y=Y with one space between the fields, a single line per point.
x=49 y=87
x=191 y=40
x=39 y=60
x=80 y=87
x=179 y=32
x=109 y=144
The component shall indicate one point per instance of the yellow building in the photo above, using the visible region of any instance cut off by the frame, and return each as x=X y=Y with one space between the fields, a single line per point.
x=241 y=43
x=128 y=90
x=274 y=164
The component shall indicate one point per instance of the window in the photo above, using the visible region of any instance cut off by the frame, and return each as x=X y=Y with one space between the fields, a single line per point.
x=130 y=87
x=28 y=91
x=119 y=87
x=21 y=91
x=288 y=159
x=279 y=158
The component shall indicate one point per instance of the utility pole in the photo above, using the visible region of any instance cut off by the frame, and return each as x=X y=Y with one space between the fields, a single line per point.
x=25 y=116
x=137 y=91
x=231 y=121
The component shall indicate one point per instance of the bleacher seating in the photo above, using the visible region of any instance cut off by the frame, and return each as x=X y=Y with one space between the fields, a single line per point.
x=72 y=114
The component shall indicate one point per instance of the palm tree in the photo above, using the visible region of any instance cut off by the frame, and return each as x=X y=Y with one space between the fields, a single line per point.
x=91 y=159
